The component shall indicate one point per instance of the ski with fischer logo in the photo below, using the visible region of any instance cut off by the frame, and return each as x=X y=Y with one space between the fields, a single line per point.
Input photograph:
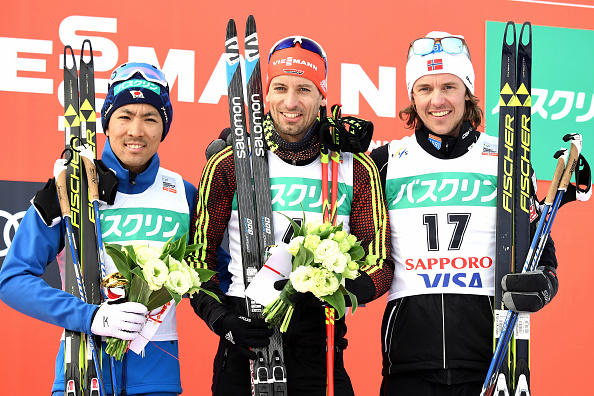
x=82 y=366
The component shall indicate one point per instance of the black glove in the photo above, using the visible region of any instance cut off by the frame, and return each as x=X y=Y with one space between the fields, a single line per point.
x=305 y=299
x=243 y=332
x=530 y=291
x=225 y=139
x=214 y=147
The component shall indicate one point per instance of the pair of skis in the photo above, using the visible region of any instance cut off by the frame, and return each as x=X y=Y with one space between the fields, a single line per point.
x=257 y=233
x=513 y=192
x=509 y=373
x=78 y=191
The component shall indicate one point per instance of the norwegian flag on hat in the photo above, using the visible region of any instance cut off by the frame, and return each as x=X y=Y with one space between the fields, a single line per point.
x=434 y=64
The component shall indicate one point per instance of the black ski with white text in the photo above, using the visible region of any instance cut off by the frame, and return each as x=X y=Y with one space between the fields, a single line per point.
x=262 y=185
x=268 y=373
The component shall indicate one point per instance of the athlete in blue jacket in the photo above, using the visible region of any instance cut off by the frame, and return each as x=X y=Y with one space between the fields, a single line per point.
x=136 y=117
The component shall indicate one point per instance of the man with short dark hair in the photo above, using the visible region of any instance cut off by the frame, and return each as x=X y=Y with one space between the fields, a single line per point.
x=296 y=91
x=136 y=117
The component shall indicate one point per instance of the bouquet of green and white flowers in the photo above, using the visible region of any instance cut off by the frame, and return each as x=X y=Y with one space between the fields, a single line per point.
x=153 y=277
x=323 y=257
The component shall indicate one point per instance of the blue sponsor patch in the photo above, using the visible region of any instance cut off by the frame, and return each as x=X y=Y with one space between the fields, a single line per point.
x=435 y=140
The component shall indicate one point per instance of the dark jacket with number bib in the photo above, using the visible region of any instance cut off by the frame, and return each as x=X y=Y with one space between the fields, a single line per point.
x=439 y=318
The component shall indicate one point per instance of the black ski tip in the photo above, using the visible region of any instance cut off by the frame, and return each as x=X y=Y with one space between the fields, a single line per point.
x=506 y=36
x=528 y=26
x=82 y=52
x=66 y=49
x=250 y=26
x=231 y=29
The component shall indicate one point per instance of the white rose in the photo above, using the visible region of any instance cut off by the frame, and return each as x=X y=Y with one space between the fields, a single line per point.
x=194 y=277
x=302 y=278
x=182 y=266
x=336 y=263
x=324 y=282
x=178 y=282
x=155 y=272
x=326 y=248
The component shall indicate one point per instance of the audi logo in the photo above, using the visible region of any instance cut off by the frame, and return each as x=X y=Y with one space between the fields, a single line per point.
x=12 y=223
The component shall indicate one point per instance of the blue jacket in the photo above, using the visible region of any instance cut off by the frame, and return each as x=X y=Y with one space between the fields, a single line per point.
x=35 y=245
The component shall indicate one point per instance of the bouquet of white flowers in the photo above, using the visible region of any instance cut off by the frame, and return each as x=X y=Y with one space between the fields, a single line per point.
x=323 y=257
x=153 y=277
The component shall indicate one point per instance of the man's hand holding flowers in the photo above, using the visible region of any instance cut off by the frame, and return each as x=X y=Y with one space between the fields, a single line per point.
x=150 y=278
x=324 y=257
x=119 y=319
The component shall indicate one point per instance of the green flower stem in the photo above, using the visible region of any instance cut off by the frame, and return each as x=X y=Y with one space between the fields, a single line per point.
x=116 y=347
x=287 y=319
x=278 y=306
x=269 y=307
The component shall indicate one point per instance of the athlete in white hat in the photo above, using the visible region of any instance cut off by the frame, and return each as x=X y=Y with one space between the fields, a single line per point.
x=441 y=188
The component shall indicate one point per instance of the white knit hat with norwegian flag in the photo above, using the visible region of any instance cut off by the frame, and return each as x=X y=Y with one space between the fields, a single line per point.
x=439 y=62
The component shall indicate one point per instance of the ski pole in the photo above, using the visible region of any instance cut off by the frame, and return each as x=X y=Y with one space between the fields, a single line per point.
x=574 y=153
x=330 y=215
x=60 y=175
x=328 y=311
x=511 y=317
x=558 y=187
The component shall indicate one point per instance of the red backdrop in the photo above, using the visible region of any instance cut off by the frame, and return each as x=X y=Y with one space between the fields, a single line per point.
x=365 y=42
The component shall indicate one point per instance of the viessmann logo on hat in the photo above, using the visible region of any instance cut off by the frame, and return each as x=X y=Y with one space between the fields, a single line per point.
x=290 y=61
